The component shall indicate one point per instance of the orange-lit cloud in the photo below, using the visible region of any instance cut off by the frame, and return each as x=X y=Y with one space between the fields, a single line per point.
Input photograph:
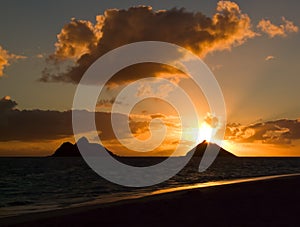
x=77 y=38
x=211 y=120
x=280 y=132
x=273 y=30
x=6 y=59
x=270 y=57
x=40 y=56
x=84 y=42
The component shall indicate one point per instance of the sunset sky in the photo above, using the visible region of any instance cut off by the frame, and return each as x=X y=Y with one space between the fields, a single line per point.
x=252 y=47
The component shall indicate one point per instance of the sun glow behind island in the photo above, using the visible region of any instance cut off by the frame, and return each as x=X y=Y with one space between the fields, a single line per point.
x=205 y=133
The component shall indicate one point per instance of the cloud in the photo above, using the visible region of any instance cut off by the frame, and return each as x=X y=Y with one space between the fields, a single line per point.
x=211 y=120
x=6 y=59
x=158 y=115
x=105 y=103
x=76 y=39
x=37 y=125
x=282 y=132
x=83 y=42
x=289 y=26
x=32 y=125
x=40 y=56
x=157 y=88
x=270 y=57
x=6 y=104
x=25 y=127
x=273 y=30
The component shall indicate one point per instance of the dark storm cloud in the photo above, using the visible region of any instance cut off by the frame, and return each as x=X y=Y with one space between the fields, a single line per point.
x=32 y=125
x=37 y=125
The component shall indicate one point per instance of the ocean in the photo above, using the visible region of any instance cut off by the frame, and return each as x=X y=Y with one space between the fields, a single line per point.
x=40 y=184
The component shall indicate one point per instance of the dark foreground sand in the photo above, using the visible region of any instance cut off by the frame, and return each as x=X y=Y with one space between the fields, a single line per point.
x=272 y=202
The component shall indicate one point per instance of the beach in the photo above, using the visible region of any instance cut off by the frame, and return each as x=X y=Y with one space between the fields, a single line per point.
x=264 y=202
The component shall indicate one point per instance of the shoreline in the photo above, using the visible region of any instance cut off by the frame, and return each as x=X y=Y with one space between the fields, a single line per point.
x=159 y=198
x=111 y=200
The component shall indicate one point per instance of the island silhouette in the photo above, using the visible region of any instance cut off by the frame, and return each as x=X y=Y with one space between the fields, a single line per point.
x=68 y=149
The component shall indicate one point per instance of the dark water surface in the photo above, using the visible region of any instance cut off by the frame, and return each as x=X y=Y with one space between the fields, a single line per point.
x=40 y=184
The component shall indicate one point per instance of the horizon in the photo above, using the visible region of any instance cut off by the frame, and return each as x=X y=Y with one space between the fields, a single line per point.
x=125 y=155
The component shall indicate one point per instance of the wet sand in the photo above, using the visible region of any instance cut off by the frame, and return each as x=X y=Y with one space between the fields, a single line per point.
x=268 y=202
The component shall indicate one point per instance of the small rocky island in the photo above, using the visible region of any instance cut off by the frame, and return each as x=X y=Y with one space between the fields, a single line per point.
x=67 y=149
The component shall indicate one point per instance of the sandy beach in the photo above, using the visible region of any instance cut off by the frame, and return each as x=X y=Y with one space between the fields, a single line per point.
x=268 y=202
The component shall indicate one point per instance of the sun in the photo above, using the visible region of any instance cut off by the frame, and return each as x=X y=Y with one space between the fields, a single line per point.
x=204 y=133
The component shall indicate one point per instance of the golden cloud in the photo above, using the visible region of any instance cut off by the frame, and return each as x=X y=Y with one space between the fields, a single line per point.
x=273 y=30
x=280 y=132
x=270 y=57
x=6 y=58
x=77 y=38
